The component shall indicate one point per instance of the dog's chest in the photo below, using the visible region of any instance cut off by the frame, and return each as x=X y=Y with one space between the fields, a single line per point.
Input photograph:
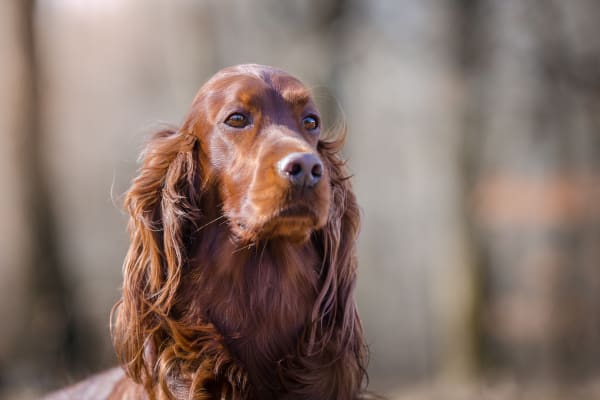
x=261 y=306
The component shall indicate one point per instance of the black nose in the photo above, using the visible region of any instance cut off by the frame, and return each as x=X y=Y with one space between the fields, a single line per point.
x=302 y=169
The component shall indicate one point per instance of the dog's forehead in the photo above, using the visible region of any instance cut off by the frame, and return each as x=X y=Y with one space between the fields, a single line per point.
x=270 y=75
x=249 y=80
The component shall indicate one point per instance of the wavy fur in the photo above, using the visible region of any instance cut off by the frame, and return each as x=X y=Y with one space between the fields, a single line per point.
x=290 y=328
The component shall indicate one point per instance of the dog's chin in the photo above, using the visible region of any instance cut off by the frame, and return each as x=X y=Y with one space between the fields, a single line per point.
x=293 y=229
x=295 y=225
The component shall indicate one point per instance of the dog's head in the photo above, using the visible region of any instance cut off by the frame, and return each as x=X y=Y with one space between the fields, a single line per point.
x=259 y=130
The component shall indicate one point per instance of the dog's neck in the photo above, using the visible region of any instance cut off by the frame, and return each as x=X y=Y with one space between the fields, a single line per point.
x=259 y=297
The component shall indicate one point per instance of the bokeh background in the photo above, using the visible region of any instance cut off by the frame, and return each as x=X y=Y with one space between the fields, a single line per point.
x=474 y=141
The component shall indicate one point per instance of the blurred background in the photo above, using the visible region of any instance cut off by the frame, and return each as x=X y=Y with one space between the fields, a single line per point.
x=474 y=141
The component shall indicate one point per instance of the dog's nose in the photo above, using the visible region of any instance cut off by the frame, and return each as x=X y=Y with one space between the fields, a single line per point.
x=302 y=169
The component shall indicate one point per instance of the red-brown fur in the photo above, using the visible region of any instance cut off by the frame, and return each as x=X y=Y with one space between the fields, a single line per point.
x=224 y=297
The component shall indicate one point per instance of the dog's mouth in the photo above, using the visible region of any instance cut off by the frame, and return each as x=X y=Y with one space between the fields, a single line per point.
x=295 y=211
x=294 y=222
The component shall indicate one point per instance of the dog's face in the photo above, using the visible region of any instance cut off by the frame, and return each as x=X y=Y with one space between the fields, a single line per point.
x=259 y=131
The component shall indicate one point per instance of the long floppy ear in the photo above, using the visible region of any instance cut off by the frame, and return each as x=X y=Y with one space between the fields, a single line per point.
x=163 y=203
x=336 y=331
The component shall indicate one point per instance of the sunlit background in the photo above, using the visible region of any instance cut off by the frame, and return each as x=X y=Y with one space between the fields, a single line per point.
x=474 y=140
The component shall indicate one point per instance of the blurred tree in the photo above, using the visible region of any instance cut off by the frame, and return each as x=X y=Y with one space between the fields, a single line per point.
x=535 y=147
x=14 y=231
x=48 y=341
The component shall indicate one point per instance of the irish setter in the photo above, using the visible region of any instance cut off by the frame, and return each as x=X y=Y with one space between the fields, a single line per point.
x=239 y=280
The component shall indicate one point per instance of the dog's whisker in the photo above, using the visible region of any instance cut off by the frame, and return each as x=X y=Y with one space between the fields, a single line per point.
x=262 y=252
x=209 y=223
x=245 y=247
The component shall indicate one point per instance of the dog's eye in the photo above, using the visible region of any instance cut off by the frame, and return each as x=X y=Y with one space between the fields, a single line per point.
x=236 y=120
x=310 y=122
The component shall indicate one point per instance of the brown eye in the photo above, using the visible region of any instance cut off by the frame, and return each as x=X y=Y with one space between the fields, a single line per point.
x=236 y=120
x=310 y=122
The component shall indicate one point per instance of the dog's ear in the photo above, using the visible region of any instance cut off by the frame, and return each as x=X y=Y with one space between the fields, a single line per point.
x=164 y=207
x=336 y=330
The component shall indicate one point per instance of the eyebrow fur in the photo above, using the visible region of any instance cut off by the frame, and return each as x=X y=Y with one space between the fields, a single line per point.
x=295 y=96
